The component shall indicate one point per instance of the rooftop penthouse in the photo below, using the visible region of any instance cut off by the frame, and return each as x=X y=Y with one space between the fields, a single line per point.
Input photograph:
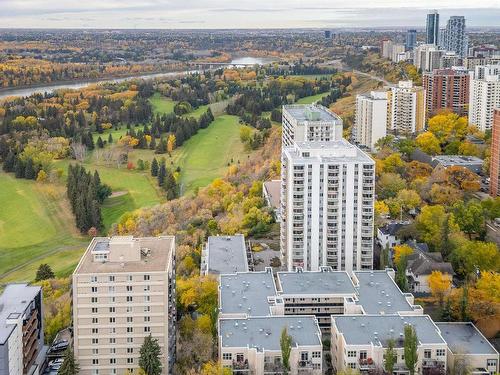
x=126 y=254
x=224 y=254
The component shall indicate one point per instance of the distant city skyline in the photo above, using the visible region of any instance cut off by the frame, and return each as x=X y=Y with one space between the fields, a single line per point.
x=191 y=14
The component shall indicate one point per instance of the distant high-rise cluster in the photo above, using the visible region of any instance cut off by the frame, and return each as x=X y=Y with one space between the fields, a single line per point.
x=455 y=39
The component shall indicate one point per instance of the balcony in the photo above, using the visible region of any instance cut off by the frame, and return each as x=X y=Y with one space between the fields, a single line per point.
x=241 y=367
x=366 y=364
x=432 y=363
x=305 y=365
x=273 y=368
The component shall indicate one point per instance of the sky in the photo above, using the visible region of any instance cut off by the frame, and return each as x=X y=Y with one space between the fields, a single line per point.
x=193 y=14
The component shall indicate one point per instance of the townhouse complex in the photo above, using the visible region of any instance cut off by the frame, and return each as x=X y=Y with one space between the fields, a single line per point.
x=360 y=312
x=327 y=194
x=123 y=291
x=21 y=330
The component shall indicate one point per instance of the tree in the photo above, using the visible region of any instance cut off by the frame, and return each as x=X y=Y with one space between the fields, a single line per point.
x=472 y=256
x=384 y=257
x=448 y=127
x=429 y=224
x=409 y=199
x=400 y=278
x=470 y=217
x=110 y=138
x=69 y=365
x=29 y=170
x=389 y=184
x=401 y=251
x=462 y=178
x=171 y=143
x=440 y=284
x=410 y=348
x=154 y=167
x=286 y=348
x=150 y=354
x=416 y=169
x=393 y=163
x=428 y=143
x=41 y=176
x=162 y=174
x=100 y=143
x=44 y=272
x=391 y=357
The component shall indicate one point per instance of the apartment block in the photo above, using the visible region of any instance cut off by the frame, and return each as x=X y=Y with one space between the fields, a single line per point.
x=21 y=330
x=455 y=38
x=468 y=348
x=432 y=28
x=411 y=39
x=406 y=108
x=309 y=123
x=447 y=89
x=370 y=123
x=484 y=96
x=427 y=57
x=252 y=345
x=224 y=254
x=360 y=341
x=123 y=291
x=327 y=206
x=495 y=155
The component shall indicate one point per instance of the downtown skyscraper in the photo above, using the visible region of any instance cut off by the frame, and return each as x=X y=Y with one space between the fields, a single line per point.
x=455 y=38
x=432 y=28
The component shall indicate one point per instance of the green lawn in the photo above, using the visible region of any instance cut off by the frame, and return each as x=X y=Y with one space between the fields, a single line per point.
x=36 y=226
x=136 y=189
x=161 y=104
x=312 y=99
x=206 y=155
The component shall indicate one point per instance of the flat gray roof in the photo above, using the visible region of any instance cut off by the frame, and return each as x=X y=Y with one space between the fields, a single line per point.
x=320 y=282
x=328 y=151
x=227 y=254
x=379 y=294
x=14 y=301
x=158 y=257
x=458 y=160
x=273 y=189
x=465 y=338
x=263 y=333
x=300 y=113
x=246 y=293
x=378 y=329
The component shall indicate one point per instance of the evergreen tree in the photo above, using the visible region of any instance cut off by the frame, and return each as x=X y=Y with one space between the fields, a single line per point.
x=446 y=315
x=162 y=147
x=152 y=144
x=10 y=162
x=154 y=167
x=401 y=279
x=170 y=185
x=69 y=366
x=29 y=170
x=410 y=348
x=162 y=174
x=286 y=348
x=150 y=353
x=44 y=272
x=110 y=138
x=464 y=303
x=100 y=143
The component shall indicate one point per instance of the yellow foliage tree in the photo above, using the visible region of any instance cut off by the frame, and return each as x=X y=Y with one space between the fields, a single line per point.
x=171 y=143
x=428 y=143
x=489 y=283
x=400 y=251
x=42 y=176
x=439 y=284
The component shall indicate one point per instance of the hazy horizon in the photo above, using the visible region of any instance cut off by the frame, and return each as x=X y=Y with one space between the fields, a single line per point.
x=246 y=14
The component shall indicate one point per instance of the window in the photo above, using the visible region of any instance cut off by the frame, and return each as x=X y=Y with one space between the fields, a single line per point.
x=112 y=340
x=130 y=329
x=351 y=354
x=492 y=363
x=130 y=340
x=112 y=361
x=440 y=352
x=129 y=319
x=227 y=356
x=130 y=360
x=147 y=318
x=130 y=350
x=95 y=371
x=129 y=277
x=111 y=309
x=129 y=298
x=94 y=289
x=146 y=278
x=95 y=361
x=111 y=289
x=95 y=331
x=93 y=279
x=427 y=354
x=352 y=365
x=147 y=329
x=147 y=298
x=112 y=330
x=146 y=288
x=112 y=320
x=147 y=308
x=95 y=320
x=111 y=278
x=94 y=300
x=363 y=354
x=112 y=299
x=240 y=357
x=112 y=350
x=94 y=310
x=129 y=309
x=95 y=351
x=316 y=354
x=129 y=288
x=95 y=341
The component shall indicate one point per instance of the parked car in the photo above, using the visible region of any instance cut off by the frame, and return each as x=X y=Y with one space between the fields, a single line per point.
x=58 y=347
x=56 y=362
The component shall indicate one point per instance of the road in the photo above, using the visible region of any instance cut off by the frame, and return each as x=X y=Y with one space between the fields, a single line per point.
x=339 y=65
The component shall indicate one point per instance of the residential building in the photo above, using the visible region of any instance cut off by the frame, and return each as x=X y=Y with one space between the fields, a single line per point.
x=406 y=108
x=360 y=341
x=432 y=28
x=484 y=50
x=421 y=264
x=21 y=330
x=387 y=48
x=428 y=57
x=455 y=38
x=473 y=163
x=447 y=89
x=468 y=348
x=450 y=60
x=271 y=191
x=411 y=39
x=471 y=62
x=495 y=155
x=397 y=52
x=370 y=123
x=225 y=254
x=252 y=345
x=484 y=96
x=387 y=234
x=309 y=123
x=123 y=291
x=327 y=200
x=328 y=34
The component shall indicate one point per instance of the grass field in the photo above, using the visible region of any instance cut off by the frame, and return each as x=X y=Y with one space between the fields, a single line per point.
x=312 y=99
x=161 y=104
x=206 y=155
x=36 y=224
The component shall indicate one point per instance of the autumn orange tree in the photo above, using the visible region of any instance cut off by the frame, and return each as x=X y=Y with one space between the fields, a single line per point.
x=439 y=284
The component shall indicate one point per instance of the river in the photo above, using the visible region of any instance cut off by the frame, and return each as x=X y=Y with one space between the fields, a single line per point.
x=27 y=91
